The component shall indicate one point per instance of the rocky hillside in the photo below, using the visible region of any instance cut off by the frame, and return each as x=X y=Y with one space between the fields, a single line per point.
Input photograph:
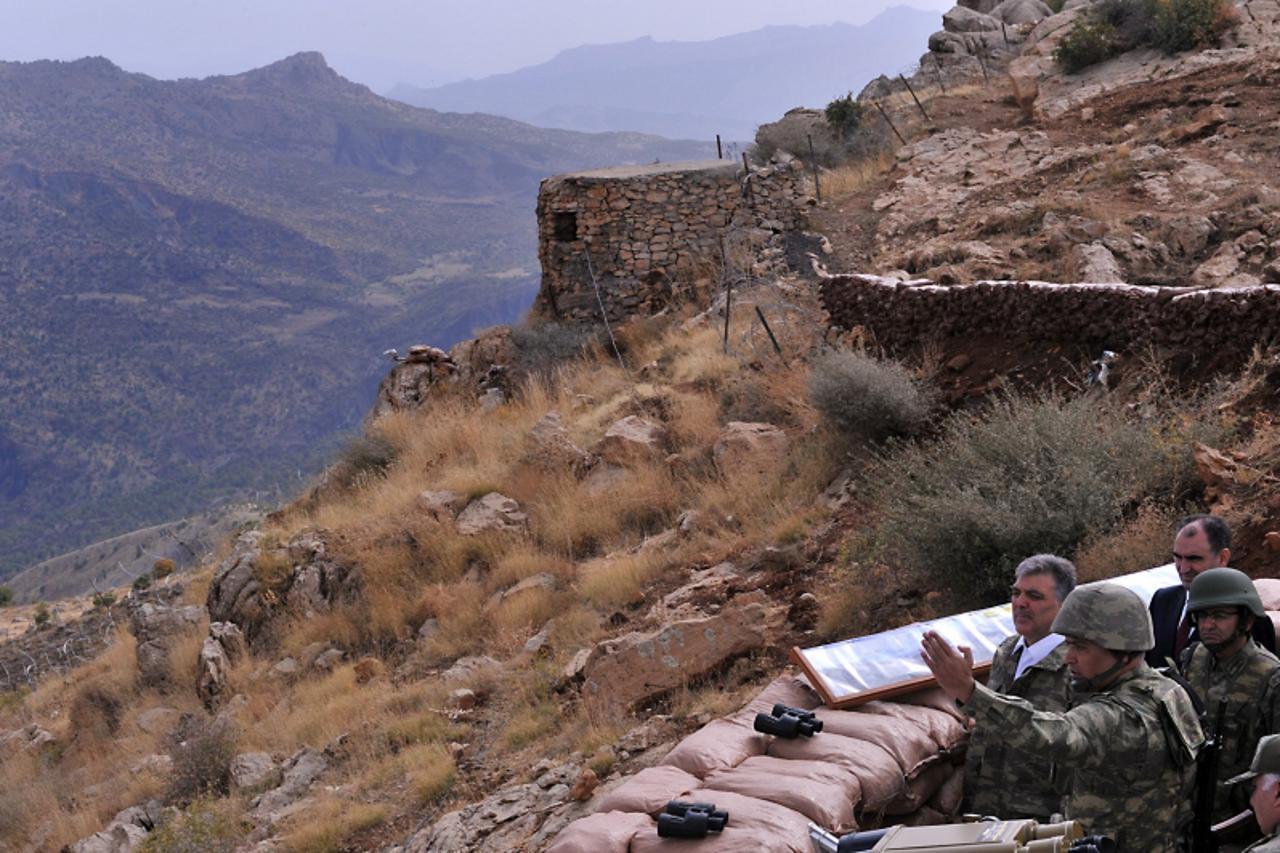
x=198 y=275
x=451 y=641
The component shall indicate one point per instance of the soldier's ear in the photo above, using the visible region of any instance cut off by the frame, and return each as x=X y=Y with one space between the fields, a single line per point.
x=1224 y=557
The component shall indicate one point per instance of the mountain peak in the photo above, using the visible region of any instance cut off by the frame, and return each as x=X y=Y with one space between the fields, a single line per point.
x=304 y=71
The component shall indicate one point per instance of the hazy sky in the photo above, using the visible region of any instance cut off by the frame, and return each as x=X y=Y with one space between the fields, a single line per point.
x=382 y=42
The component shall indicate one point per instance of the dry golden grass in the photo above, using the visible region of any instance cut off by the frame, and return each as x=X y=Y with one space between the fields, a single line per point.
x=459 y=608
x=849 y=178
x=700 y=358
x=430 y=770
x=613 y=582
x=525 y=560
x=1140 y=543
x=530 y=723
x=322 y=826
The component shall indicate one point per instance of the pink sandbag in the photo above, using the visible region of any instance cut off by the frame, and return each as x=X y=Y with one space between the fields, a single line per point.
x=717 y=745
x=910 y=745
x=1269 y=592
x=649 y=791
x=786 y=691
x=919 y=789
x=877 y=771
x=602 y=832
x=945 y=728
x=946 y=800
x=824 y=793
x=935 y=698
x=754 y=825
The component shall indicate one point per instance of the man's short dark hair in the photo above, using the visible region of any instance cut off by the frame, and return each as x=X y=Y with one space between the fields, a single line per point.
x=1060 y=569
x=1215 y=530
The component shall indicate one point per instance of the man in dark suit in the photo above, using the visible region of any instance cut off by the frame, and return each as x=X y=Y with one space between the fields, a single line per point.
x=1203 y=542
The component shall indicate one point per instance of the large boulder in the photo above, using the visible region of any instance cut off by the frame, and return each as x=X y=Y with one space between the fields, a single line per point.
x=622 y=671
x=630 y=440
x=493 y=513
x=157 y=628
x=254 y=771
x=256 y=588
x=1094 y=264
x=223 y=647
x=962 y=20
x=549 y=447
x=1015 y=12
x=749 y=447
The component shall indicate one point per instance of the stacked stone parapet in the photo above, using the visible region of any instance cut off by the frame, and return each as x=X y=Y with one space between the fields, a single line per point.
x=900 y=314
x=648 y=234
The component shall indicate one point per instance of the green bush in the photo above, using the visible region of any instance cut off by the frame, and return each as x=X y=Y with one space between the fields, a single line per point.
x=1028 y=476
x=6 y=596
x=1115 y=26
x=867 y=399
x=1088 y=42
x=1188 y=24
x=141 y=583
x=42 y=615
x=102 y=600
x=845 y=115
x=206 y=826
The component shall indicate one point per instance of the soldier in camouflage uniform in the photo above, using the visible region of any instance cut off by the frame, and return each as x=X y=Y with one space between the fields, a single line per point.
x=1131 y=738
x=1235 y=679
x=1000 y=780
x=1264 y=778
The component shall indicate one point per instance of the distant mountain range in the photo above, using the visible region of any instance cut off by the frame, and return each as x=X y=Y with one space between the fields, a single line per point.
x=197 y=276
x=693 y=90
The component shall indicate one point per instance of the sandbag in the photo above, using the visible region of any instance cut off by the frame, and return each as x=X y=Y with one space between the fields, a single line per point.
x=919 y=789
x=877 y=771
x=602 y=832
x=717 y=745
x=946 y=800
x=910 y=745
x=947 y=730
x=786 y=691
x=1269 y=592
x=755 y=825
x=824 y=793
x=649 y=791
x=935 y=698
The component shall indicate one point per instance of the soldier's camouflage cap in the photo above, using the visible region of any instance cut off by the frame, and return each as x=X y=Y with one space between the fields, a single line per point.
x=1266 y=759
x=1107 y=614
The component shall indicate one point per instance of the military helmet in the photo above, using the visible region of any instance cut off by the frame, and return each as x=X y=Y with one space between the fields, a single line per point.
x=1266 y=759
x=1107 y=614
x=1223 y=588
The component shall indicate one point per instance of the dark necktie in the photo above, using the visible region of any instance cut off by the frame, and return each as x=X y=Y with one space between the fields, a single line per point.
x=1184 y=636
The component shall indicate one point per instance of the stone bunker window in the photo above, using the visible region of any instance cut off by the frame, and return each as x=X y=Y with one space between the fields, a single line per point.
x=565 y=224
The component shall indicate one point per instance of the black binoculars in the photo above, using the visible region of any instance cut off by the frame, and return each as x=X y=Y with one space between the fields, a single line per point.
x=788 y=722
x=1092 y=844
x=690 y=820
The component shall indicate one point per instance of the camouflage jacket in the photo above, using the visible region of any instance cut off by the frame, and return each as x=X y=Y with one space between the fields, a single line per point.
x=998 y=778
x=1131 y=749
x=1250 y=685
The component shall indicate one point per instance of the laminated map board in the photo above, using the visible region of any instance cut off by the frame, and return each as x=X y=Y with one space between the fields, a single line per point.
x=879 y=666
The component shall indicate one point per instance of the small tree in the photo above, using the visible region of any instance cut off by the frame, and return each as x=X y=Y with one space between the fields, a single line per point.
x=6 y=596
x=162 y=568
x=844 y=114
x=103 y=600
x=42 y=615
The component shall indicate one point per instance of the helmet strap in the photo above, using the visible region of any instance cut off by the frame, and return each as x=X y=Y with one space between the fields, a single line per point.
x=1103 y=679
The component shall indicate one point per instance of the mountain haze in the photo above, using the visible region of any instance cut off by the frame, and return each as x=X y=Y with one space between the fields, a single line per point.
x=196 y=276
x=693 y=89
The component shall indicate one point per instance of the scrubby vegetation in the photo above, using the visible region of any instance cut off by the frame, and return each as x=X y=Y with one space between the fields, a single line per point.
x=1112 y=27
x=1028 y=475
x=866 y=399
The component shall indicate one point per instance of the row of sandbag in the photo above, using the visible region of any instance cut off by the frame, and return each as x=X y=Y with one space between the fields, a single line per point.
x=886 y=762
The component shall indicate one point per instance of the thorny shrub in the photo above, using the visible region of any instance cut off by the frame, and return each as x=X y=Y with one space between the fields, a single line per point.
x=1112 y=27
x=867 y=399
x=202 y=761
x=1029 y=475
x=540 y=349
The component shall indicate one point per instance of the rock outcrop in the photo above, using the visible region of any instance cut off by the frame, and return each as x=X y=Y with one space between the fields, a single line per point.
x=157 y=628
x=255 y=588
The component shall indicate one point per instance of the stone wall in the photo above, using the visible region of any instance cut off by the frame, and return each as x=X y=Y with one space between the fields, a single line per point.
x=653 y=233
x=1113 y=316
